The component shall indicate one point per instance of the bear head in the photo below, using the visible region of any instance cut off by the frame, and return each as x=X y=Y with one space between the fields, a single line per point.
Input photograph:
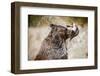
x=58 y=31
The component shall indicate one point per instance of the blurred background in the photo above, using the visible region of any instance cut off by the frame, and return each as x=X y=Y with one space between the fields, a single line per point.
x=38 y=29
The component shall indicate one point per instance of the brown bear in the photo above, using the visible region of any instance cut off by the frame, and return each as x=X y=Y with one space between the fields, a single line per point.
x=54 y=45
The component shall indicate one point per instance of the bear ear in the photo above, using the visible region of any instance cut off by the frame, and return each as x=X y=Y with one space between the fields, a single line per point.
x=52 y=26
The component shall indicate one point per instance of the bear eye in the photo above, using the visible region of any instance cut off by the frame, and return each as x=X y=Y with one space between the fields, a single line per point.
x=65 y=29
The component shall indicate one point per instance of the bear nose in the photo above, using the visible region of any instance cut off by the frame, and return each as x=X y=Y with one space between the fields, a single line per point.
x=75 y=32
x=75 y=29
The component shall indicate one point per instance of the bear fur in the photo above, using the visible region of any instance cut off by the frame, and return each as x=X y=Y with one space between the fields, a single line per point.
x=54 y=45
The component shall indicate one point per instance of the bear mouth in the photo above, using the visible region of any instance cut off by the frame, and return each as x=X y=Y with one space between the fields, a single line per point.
x=72 y=31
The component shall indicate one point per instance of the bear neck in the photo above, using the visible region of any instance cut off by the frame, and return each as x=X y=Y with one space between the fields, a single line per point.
x=57 y=42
